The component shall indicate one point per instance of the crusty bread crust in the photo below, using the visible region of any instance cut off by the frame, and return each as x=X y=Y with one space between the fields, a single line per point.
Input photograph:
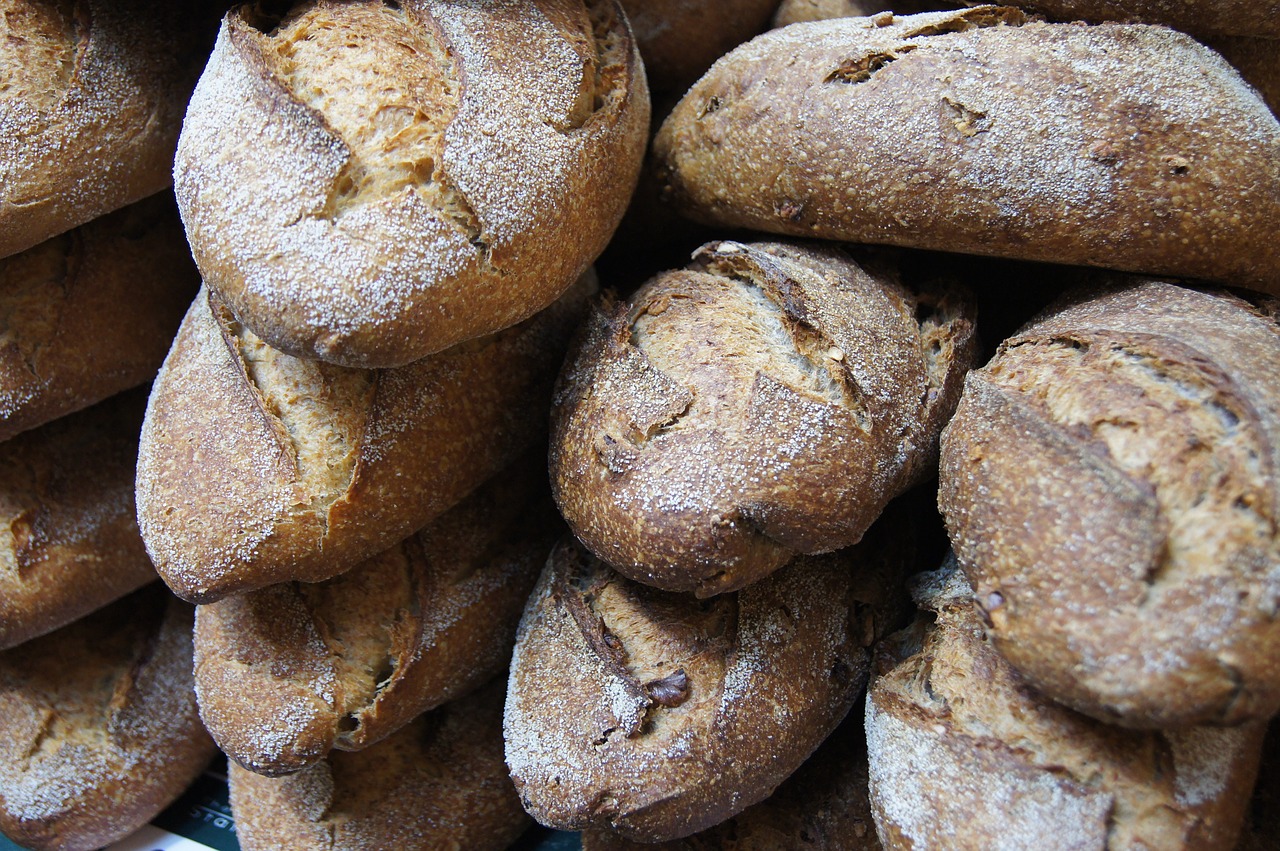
x=767 y=400
x=286 y=673
x=257 y=468
x=71 y=542
x=93 y=102
x=99 y=725
x=91 y=312
x=1109 y=482
x=978 y=132
x=374 y=224
x=437 y=783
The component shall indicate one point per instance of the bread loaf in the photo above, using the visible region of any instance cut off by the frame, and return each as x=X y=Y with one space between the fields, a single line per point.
x=976 y=131
x=368 y=183
x=438 y=783
x=91 y=108
x=1108 y=484
x=288 y=672
x=98 y=725
x=257 y=468
x=767 y=400
x=965 y=755
x=91 y=312
x=657 y=715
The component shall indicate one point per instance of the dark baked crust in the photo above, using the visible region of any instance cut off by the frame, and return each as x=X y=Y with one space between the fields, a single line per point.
x=679 y=39
x=977 y=132
x=1109 y=485
x=1259 y=18
x=767 y=400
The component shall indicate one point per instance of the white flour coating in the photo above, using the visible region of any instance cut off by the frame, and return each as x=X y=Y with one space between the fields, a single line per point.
x=1203 y=760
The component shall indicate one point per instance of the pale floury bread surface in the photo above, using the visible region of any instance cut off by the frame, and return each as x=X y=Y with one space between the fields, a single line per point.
x=256 y=467
x=368 y=183
x=966 y=756
x=90 y=312
x=98 y=725
x=768 y=399
x=1130 y=147
x=1109 y=483
x=438 y=783
x=94 y=93
x=288 y=672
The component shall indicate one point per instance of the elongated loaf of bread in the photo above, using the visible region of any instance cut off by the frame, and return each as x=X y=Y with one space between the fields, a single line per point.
x=286 y=673
x=92 y=104
x=257 y=468
x=368 y=183
x=98 y=725
x=71 y=543
x=767 y=400
x=91 y=312
x=964 y=755
x=438 y=783
x=1124 y=146
x=1109 y=482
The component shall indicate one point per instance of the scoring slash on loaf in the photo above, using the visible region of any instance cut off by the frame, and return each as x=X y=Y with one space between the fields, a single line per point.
x=978 y=131
x=767 y=400
x=1109 y=483
x=371 y=182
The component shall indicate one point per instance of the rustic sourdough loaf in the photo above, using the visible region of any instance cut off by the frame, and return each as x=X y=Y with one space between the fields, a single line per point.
x=288 y=672
x=257 y=468
x=965 y=755
x=371 y=182
x=91 y=107
x=1108 y=482
x=1124 y=146
x=768 y=399
x=437 y=783
x=99 y=728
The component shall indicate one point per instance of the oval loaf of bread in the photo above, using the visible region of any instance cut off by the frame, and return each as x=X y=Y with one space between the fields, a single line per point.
x=1109 y=483
x=288 y=672
x=966 y=756
x=1124 y=146
x=257 y=467
x=98 y=725
x=657 y=715
x=371 y=182
x=767 y=400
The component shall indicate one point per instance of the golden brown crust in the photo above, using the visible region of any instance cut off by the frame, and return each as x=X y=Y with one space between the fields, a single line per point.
x=1109 y=484
x=100 y=725
x=93 y=102
x=373 y=224
x=437 y=783
x=965 y=755
x=91 y=312
x=257 y=468
x=658 y=715
x=978 y=132
x=70 y=543
x=286 y=673
x=679 y=39
x=767 y=400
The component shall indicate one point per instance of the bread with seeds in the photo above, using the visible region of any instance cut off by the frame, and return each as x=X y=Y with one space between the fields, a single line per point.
x=767 y=400
x=978 y=131
x=1109 y=485
x=256 y=467
x=371 y=182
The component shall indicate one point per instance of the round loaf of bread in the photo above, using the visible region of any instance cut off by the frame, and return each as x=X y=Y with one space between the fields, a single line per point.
x=90 y=110
x=286 y=673
x=256 y=467
x=767 y=400
x=1123 y=146
x=964 y=755
x=1109 y=483
x=98 y=725
x=370 y=182
x=657 y=715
